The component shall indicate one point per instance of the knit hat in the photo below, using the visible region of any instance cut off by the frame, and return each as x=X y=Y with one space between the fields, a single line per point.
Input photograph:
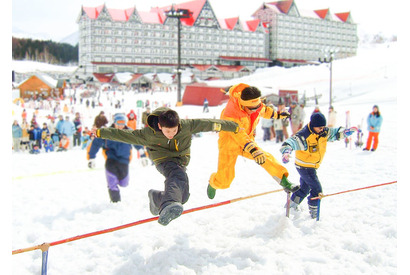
x=317 y=120
x=120 y=119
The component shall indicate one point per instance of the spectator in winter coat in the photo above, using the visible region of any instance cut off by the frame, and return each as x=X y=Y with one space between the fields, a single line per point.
x=78 y=130
x=278 y=126
x=25 y=136
x=48 y=143
x=295 y=117
x=310 y=146
x=206 y=106
x=245 y=108
x=118 y=156
x=52 y=128
x=374 y=122
x=85 y=140
x=132 y=120
x=17 y=133
x=332 y=117
x=66 y=127
x=100 y=120
x=168 y=140
x=44 y=132
x=285 y=122
x=33 y=146
x=64 y=144
x=37 y=135
x=267 y=127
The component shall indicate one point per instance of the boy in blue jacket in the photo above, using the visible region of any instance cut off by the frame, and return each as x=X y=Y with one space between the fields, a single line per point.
x=118 y=156
x=309 y=145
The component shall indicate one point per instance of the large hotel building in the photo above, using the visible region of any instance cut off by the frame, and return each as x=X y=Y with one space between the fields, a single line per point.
x=116 y=40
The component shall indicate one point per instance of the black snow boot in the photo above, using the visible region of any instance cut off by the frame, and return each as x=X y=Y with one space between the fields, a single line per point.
x=114 y=195
x=170 y=212
x=152 y=207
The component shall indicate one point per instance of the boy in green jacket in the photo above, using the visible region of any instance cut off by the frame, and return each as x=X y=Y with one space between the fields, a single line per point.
x=168 y=140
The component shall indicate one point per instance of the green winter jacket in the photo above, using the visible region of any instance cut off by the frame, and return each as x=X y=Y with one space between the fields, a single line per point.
x=160 y=148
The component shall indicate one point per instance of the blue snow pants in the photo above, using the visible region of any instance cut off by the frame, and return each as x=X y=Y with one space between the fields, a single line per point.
x=309 y=184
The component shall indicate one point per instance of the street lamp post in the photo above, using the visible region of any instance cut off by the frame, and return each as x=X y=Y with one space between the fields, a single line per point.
x=329 y=55
x=178 y=13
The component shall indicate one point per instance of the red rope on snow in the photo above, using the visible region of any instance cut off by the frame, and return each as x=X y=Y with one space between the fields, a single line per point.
x=79 y=237
x=321 y=196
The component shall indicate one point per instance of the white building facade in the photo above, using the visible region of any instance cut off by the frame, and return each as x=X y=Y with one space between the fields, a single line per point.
x=113 y=40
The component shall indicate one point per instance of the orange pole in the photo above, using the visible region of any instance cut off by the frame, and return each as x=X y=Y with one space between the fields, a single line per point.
x=79 y=237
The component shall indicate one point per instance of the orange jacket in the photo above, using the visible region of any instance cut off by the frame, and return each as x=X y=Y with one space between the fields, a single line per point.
x=64 y=143
x=234 y=112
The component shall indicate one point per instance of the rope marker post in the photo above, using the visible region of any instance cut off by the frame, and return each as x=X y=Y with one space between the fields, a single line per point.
x=287 y=204
x=44 y=258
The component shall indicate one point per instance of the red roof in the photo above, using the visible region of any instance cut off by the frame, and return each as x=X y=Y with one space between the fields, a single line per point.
x=194 y=7
x=157 y=15
x=201 y=67
x=93 y=13
x=120 y=15
x=231 y=22
x=151 y=17
x=104 y=78
x=283 y=6
x=322 y=13
x=252 y=25
x=245 y=58
x=228 y=68
x=343 y=16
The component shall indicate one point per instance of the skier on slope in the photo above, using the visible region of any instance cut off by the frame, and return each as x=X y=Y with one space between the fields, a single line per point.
x=168 y=140
x=310 y=146
x=118 y=156
x=246 y=108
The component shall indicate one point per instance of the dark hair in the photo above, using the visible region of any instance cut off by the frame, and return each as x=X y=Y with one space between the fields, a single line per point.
x=250 y=93
x=168 y=119
x=377 y=114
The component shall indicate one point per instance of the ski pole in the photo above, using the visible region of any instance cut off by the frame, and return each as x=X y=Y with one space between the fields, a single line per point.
x=321 y=196
x=79 y=237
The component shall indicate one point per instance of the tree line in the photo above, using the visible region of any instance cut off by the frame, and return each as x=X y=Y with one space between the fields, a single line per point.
x=44 y=51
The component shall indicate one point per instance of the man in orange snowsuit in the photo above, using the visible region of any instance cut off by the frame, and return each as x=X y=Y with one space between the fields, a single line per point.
x=245 y=108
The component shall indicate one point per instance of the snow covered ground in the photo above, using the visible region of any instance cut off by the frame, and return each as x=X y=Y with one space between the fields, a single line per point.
x=55 y=196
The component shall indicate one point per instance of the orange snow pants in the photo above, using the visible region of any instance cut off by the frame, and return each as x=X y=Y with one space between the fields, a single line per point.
x=373 y=136
x=223 y=178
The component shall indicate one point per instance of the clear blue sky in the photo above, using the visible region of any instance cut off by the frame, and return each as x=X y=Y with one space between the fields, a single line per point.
x=57 y=18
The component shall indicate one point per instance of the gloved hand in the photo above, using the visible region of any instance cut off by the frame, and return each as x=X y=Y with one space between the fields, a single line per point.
x=324 y=132
x=286 y=155
x=282 y=115
x=91 y=163
x=257 y=154
x=349 y=131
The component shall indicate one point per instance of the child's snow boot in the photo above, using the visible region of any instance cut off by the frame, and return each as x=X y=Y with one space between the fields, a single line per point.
x=288 y=186
x=170 y=212
x=211 y=192
x=152 y=207
x=114 y=195
x=313 y=211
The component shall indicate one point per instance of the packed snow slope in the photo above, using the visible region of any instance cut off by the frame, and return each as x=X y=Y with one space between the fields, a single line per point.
x=56 y=196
